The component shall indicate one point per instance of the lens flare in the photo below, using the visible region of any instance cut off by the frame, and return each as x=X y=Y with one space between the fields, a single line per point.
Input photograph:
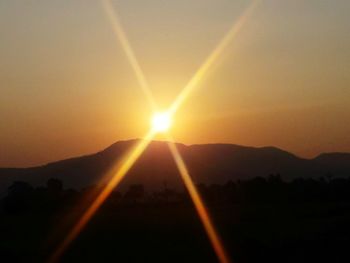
x=123 y=39
x=199 y=205
x=160 y=123
x=204 y=68
x=107 y=190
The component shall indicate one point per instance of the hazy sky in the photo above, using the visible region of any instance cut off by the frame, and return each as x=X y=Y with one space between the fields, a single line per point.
x=66 y=87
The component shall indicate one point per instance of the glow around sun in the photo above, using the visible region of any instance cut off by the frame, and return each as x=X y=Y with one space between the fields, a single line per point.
x=161 y=122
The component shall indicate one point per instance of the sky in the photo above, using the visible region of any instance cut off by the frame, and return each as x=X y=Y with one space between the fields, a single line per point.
x=67 y=88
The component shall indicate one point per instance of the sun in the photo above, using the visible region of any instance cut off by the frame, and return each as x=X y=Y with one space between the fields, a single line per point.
x=161 y=121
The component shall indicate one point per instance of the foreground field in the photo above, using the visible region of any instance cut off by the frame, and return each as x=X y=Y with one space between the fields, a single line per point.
x=309 y=232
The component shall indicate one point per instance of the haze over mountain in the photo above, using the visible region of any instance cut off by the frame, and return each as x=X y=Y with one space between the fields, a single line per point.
x=207 y=163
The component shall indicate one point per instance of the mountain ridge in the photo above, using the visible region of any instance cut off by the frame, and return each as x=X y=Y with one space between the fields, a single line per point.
x=207 y=163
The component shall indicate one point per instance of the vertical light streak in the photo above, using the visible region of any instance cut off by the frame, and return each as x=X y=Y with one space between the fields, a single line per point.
x=107 y=190
x=121 y=35
x=200 y=207
x=204 y=68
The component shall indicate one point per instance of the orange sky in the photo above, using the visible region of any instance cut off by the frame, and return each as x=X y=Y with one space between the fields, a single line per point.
x=68 y=89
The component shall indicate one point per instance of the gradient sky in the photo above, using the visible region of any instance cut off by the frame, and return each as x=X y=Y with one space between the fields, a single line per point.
x=67 y=89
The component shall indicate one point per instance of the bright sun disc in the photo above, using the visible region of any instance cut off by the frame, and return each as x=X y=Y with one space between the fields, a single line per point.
x=161 y=121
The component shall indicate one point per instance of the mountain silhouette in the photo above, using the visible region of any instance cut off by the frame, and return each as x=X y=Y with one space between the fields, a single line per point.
x=207 y=163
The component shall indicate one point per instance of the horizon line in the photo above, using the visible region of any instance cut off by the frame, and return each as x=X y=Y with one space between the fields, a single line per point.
x=177 y=143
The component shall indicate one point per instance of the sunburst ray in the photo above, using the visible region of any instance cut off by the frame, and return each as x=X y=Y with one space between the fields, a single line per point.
x=107 y=190
x=123 y=39
x=206 y=65
x=142 y=145
x=199 y=204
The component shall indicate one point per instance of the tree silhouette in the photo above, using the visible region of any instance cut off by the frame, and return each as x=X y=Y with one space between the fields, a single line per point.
x=18 y=198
